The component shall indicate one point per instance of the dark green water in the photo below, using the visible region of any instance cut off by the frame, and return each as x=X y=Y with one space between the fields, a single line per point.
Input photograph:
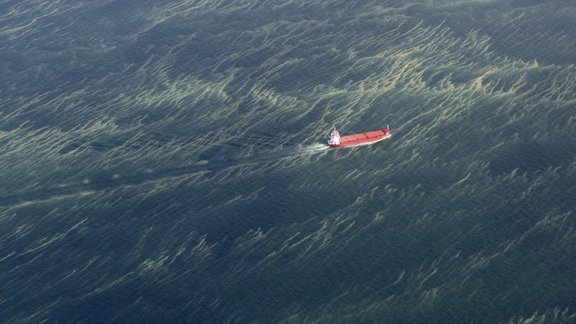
x=160 y=162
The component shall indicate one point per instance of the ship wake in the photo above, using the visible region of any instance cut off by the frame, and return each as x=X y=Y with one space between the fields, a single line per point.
x=113 y=180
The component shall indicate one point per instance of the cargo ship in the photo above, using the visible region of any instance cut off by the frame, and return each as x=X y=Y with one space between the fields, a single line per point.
x=358 y=139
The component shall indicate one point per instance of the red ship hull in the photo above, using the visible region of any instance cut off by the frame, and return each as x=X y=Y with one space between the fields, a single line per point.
x=363 y=138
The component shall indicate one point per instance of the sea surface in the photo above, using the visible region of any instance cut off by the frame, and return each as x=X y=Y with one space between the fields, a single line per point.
x=163 y=161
